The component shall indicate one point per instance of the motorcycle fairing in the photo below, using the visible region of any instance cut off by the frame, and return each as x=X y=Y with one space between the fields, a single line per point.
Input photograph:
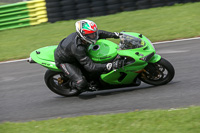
x=45 y=57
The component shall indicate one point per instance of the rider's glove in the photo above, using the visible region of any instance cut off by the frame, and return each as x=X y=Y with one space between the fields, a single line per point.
x=115 y=65
x=117 y=34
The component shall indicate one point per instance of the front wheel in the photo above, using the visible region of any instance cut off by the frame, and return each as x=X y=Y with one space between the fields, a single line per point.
x=159 y=73
x=56 y=82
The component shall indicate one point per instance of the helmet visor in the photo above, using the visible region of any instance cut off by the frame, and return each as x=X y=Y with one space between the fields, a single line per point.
x=92 y=36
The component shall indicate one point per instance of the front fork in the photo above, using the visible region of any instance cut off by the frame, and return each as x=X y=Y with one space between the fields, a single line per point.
x=153 y=59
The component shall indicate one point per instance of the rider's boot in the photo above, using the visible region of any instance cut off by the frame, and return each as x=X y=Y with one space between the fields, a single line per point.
x=79 y=85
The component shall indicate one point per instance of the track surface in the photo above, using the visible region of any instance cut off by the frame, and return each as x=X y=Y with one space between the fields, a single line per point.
x=25 y=97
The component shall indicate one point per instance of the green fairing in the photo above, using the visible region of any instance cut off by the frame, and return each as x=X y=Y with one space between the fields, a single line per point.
x=155 y=58
x=130 y=70
x=105 y=51
x=45 y=57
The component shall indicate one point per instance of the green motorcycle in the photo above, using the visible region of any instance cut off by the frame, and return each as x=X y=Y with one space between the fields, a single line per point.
x=141 y=63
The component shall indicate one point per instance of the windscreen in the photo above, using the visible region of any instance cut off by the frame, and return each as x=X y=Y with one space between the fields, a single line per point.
x=130 y=42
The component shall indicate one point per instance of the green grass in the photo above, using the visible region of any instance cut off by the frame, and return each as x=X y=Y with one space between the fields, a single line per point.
x=158 y=24
x=183 y=120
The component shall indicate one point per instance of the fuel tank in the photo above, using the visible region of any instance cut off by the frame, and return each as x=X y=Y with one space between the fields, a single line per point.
x=103 y=51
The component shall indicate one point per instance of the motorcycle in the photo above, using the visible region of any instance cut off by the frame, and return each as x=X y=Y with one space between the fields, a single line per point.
x=141 y=63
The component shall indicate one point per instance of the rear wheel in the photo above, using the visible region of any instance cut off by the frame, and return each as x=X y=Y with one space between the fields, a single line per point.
x=159 y=73
x=56 y=82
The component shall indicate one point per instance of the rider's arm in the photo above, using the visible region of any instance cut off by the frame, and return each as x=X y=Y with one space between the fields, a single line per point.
x=87 y=63
x=105 y=34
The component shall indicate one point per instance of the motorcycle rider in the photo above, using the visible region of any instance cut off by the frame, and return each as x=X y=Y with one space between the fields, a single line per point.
x=71 y=53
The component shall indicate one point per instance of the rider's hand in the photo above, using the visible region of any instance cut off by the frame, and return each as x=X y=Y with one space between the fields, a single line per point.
x=115 y=65
x=117 y=35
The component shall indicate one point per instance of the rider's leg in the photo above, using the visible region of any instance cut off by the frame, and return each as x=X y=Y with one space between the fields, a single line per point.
x=75 y=75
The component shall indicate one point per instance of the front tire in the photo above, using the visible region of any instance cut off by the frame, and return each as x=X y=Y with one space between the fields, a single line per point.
x=159 y=73
x=56 y=82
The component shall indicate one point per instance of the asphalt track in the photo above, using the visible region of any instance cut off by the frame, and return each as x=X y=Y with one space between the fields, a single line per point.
x=25 y=97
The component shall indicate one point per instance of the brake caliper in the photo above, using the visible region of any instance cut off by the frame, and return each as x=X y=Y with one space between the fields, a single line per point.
x=60 y=81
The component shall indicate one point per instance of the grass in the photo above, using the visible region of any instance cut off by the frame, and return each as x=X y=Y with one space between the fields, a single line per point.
x=183 y=120
x=158 y=24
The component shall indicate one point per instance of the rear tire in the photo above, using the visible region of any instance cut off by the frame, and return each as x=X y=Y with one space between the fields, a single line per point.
x=159 y=73
x=52 y=79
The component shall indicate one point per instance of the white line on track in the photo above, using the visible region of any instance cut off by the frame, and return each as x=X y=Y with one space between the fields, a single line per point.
x=171 y=51
x=188 y=39
x=153 y=43
x=12 y=61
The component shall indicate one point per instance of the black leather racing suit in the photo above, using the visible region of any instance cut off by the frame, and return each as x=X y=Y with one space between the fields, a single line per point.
x=70 y=54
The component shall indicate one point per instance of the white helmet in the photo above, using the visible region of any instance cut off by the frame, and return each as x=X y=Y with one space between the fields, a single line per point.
x=87 y=30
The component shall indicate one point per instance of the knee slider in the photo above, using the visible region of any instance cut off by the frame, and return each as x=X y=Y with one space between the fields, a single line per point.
x=81 y=84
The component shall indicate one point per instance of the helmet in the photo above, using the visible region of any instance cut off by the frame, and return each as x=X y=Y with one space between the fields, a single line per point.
x=87 y=30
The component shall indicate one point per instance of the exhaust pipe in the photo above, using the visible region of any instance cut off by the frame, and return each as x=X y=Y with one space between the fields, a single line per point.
x=30 y=60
